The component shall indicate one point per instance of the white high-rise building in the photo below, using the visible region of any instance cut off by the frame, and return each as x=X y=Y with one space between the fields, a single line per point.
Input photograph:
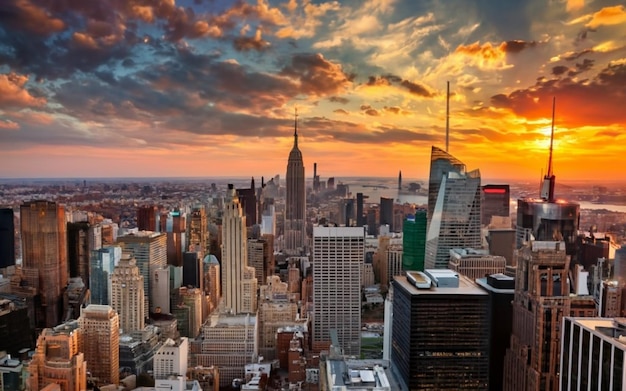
x=171 y=359
x=338 y=257
x=127 y=296
x=239 y=283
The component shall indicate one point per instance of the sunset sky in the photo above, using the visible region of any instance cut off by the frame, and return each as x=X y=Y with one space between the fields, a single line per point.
x=209 y=87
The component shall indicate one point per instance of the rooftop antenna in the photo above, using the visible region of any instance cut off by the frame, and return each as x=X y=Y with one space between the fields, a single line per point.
x=295 y=128
x=547 y=188
x=448 y=116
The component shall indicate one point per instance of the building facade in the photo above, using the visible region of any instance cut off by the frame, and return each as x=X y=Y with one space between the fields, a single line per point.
x=338 y=257
x=7 y=238
x=171 y=358
x=100 y=344
x=440 y=335
x=592 y=354
x=127 y=295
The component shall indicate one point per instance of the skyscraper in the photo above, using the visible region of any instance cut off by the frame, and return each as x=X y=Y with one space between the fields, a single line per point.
x=149 y=250
x=592 y=354
x=44 y=243
x=127 y=295
x=78 y=252
x=440 y=338
x=338 y=257
x=238 y=279
x=295 y=202
x=414 y=241
x=173 y=224
x=103 y=262
x=386 y=212
x=546 y=218
x=58 y=359
x=495 y=201
x=198 y=231
x=454 y=209
x=7 y=238
x=100 y=343
x=542 y=299
x=148 y=218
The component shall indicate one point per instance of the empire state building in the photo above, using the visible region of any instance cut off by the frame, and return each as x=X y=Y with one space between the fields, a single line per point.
x=295 y=203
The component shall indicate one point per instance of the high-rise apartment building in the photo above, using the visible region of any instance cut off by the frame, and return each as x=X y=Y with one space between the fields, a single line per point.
x=171 y=359
x=261 y=257
x=239 y=283
x=593 y=354
x=127 y=294
x=100 y=344
x=440 y=338
x=453 y=207
x=277 y=308
x=198 y=231
x=542 y=299
x=338 y=257
x=58 y=359
x=148 y=218
x=295 y=201
x=44 y=256
x=495 y=201
x=149 y=250
x=7 y=238
x=414 y=241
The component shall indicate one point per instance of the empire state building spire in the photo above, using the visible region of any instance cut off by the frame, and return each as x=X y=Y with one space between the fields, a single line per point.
x=295 y=202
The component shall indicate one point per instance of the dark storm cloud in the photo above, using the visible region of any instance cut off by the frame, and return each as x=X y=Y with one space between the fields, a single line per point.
x=559 y=70
x=414 y=88
x=316 y=75
x=339 y=99
x=597 y=101
x=517 y=45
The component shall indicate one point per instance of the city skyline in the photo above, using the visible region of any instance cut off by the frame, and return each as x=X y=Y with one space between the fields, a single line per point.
x=200 y=88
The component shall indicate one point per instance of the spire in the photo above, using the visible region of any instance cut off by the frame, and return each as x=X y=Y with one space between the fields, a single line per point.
x=295 y=129
x=447 y=116
x=547 y=187
x=252 y=183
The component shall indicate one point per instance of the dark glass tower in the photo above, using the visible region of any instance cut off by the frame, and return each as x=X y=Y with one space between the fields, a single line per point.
x=414 y=241
x=295 y=203
x=7 y=238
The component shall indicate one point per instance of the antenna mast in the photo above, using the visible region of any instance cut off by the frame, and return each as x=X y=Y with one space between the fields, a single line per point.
x=547 y=187
x=448 y=116
x=551 y=138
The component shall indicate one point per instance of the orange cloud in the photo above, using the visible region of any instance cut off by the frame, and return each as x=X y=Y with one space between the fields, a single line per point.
x=608 y=16
x=27 y=16
x=13 y=93
x=486 y=56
